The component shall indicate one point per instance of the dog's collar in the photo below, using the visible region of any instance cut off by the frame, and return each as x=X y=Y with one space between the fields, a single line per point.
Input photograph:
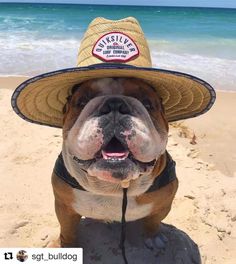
x=167 y=175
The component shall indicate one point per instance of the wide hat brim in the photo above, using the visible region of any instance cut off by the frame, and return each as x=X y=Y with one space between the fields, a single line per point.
x=41 y=99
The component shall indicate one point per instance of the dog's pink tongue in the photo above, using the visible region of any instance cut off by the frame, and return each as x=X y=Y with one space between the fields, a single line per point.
x=118 y=155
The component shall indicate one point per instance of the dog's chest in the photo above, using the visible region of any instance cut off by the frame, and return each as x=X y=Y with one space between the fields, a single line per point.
x=108 y=208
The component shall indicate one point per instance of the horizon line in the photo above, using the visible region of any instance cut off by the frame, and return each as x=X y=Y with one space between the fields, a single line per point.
x=135 y=5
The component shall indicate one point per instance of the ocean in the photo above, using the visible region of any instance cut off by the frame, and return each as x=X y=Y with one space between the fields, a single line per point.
x=37 y=38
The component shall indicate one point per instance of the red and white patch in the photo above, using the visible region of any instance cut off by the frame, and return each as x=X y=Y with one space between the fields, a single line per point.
x=115 y=47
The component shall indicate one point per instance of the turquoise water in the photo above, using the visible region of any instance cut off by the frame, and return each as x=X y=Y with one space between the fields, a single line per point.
x=35 y=38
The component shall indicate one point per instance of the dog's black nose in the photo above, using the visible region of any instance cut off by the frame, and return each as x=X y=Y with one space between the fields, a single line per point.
x=115 y=105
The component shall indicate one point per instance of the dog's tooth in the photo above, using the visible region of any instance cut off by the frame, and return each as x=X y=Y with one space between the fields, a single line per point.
x=114 y=158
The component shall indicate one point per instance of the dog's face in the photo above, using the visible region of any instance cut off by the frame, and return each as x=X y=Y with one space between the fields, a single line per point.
x=114 y=131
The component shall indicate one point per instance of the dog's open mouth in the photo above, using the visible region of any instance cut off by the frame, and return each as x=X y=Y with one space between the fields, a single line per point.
x=115 y=162
x=114 y=151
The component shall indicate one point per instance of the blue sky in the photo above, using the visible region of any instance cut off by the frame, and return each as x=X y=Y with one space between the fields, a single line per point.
x=202 y=3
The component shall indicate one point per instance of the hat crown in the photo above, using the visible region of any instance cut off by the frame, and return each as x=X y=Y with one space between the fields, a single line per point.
x=120 y=41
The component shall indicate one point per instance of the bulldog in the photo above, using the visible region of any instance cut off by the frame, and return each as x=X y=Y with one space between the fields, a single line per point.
x=114 y=137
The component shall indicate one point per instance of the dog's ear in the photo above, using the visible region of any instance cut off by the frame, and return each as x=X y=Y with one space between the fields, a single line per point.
x=74 y=88
x=68 y=99
x=163 y=113
x=162 y=106
x=66 y=106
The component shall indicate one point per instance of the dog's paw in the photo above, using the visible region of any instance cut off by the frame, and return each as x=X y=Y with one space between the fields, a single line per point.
x=157 y=243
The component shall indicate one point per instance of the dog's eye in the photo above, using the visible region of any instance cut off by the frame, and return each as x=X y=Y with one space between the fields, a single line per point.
x=147 y=104
x=82 y=101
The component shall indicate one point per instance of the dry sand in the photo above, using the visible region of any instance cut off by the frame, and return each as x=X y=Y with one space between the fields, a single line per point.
x=204 y=149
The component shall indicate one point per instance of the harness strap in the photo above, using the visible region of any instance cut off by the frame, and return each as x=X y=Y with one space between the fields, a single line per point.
x=168 y=174
x=61 y=171
x=123 y=226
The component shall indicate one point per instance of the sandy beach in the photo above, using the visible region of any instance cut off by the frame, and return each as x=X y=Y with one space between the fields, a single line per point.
x=205 y=152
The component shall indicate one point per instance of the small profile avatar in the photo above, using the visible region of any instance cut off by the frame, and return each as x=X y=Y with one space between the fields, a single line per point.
x=22 y=255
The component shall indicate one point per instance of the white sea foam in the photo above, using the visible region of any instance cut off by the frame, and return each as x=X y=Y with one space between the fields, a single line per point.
x=31 y=56
x=20 y=56
x=220 y=73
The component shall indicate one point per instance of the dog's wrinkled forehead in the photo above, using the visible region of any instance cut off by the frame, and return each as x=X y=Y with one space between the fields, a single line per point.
x=116 y=86
x=108 y=86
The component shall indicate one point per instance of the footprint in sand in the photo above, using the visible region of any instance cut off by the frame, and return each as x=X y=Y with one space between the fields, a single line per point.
x=16 y=226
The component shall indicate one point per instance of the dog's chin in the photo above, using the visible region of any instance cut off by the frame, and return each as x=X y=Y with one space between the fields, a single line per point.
x=115 y=169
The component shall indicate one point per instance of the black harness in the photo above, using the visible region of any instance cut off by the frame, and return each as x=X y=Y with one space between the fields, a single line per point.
x=167 y=175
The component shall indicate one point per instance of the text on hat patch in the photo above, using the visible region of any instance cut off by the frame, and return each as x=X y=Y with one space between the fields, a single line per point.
x=115 y=47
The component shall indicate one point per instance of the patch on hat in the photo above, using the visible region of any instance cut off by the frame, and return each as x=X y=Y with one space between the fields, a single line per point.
x=115 y=47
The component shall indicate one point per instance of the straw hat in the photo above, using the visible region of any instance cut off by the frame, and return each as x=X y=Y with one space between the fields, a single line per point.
x=111 y=49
